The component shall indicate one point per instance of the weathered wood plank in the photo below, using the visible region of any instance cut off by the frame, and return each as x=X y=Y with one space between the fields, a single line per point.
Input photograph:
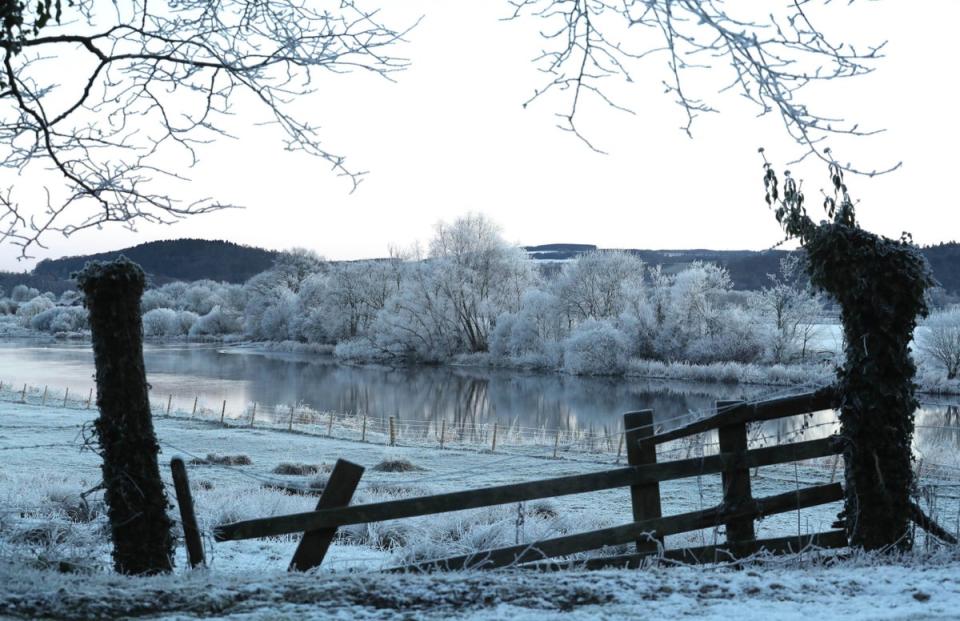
x=823 y=399
x=827 y=540
x=191 y=533
x=657 y=527
x=736 y=481
x=644 y=498
x=337 y=493
x=520 y=492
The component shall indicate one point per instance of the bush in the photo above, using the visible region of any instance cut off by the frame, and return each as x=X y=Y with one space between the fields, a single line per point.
x=70 y=319
x=596 y=348
x=187 y=319
x=216 y=323
x=28 y=310
x=161 y=322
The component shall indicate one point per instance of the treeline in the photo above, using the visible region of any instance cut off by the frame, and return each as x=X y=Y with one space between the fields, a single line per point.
x=471 y=296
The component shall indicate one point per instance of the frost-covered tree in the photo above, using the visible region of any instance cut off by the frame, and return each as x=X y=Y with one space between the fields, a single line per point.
x=601 y=285
x=940 y=340
x=217 y=322
x=478 y=275
x=28 y=310
x=161 y=322
x=790 y=307
x=23 y=293
x=270 y=298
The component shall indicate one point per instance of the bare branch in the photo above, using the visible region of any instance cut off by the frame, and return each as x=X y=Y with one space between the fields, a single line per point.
x=163 y=79
x=769 y=62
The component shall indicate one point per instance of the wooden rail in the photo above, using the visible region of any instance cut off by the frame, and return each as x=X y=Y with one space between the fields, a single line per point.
x=792 y=544
x=642 y=476
x=732 y=412
x=651 y=529
x=520 y=492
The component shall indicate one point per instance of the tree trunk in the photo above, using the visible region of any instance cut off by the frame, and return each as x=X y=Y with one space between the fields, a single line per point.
x=136 y=502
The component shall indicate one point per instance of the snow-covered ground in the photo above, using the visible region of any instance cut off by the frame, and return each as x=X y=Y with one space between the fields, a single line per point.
x=44 y=527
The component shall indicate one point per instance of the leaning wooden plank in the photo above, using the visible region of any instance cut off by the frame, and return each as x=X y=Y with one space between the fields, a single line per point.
x=520 y=492
x=827 y=540
x=337 y=493
x=823 y=399
x=653 y=528
x=188 y=519
x=928 y=524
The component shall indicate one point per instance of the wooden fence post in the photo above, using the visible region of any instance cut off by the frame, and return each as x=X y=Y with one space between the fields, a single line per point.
x=169 y=401
x=194 y=412
x=337 y=493
x=223 y=411
x=736 y=484
x=645 y=499
x=330 y=426
x=620 y=447
x=43 y=399
x=493 y=446
x=363 y=430
x=89 y=398
x=443 y=431
x=290 y=419
x=66 y=393
x=191 y=534
x=393 y=433
x=556 y=444
x=253 y=414
x=23 y=395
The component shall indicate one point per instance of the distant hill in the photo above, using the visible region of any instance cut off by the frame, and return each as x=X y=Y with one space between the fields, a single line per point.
x=164 y=261
x=196 y=259
x=748 y=268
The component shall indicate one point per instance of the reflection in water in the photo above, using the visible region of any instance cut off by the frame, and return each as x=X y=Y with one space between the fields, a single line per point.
x=464 y=397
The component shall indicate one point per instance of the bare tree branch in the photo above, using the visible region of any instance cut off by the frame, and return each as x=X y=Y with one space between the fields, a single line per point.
x=162 y=79
x=770 y=61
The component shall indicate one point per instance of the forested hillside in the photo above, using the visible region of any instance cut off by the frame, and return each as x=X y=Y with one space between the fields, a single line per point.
x=176 y=259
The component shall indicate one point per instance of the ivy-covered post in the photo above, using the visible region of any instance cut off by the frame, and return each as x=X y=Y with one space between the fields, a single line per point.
x=880 y=285
x=134 y=493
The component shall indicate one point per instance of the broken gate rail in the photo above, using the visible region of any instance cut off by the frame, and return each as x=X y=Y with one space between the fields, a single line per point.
x=642 y=476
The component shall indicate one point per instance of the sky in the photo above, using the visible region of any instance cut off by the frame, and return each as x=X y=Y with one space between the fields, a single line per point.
x=451 y=136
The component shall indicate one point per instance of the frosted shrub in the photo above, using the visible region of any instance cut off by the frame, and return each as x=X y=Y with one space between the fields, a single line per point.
x=186 y=319
x=69 y=319
x=215 y=323
x=23 y=293
x=42 y=320
x=155 y=298
x=28 y=310
x=596 y=348
x=500 y=336
x=735 y=339
x=161 y=322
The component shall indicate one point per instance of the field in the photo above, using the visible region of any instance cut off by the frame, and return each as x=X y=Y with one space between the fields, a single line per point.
x=47 y=529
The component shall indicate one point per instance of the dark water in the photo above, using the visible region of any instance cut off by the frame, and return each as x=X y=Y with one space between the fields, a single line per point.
x=462 y=395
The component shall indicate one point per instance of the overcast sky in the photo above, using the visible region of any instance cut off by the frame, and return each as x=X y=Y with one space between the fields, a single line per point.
x=451 y=136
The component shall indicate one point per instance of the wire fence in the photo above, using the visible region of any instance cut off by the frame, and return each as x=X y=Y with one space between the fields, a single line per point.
x=601 y=443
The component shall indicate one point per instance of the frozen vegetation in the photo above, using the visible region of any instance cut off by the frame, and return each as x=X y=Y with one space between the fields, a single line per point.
x=472 y=298
x=55 y=555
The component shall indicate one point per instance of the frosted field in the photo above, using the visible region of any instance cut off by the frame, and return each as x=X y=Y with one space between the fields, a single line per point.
x=44 y=527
